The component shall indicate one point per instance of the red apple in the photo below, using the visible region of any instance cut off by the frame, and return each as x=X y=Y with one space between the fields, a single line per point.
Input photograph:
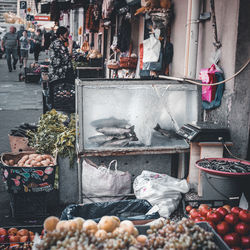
x=14 y=238
x=195 y=213
x=189 y=208
x=3 y=231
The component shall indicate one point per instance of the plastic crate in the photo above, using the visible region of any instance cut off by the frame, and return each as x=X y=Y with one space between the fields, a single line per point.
x=27 y=179
x=212 y=203
x=59 y=95
x=21 y=245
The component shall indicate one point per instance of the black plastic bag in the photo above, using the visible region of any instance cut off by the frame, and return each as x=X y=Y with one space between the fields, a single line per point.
x=125 y=210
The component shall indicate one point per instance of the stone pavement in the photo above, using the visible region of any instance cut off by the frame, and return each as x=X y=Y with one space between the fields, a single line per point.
x=19 y=102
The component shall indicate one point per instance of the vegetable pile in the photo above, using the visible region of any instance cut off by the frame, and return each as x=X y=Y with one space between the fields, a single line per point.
x=232 y=224
x=110 y=233
x=55 y=135
x=32 y=160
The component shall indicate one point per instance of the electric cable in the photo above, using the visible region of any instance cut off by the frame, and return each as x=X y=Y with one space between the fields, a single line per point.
x=205 y=84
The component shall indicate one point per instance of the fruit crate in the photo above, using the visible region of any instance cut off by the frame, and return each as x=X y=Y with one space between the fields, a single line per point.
x=27 y=179
x=193 y=200
x=5 y=240
x=59 y=95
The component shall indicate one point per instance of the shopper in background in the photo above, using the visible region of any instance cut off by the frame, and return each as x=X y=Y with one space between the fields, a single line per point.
x=47 y=41
x=24 y=45
x=37 y=39
x=19 y=35
x=60 y=57
x=9 y=44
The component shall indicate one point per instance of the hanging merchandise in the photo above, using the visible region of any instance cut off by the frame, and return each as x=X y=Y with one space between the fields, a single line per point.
x=154 y=66
x=107 y=8
x=212 y=95
x=54 y=11
x=92 y=18
x=133 y=2
x=124 y=34
x=152 y=48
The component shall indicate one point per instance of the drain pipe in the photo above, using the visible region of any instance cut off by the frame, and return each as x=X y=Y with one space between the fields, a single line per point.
x=191 y=52
x=192 y=35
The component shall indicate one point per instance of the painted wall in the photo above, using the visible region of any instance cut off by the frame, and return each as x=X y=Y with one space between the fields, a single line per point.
x=234 y=110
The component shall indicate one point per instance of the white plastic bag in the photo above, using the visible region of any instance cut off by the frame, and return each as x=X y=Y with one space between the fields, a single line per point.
x=102 y=181
x=160 y=190
x=151 y=49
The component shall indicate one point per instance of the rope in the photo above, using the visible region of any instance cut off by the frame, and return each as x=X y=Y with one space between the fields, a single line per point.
x=205 y=84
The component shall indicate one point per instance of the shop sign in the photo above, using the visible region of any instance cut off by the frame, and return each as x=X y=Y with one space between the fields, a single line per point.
x=42 y=18
x=23 y=5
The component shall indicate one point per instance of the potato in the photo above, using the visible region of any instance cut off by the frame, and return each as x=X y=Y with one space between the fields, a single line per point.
x=20 y=165
x=32 y=156
x=38 y=164
x=44 y=163
x=28 y=162
x=11 y=162
x=39 y=158
x=33 y=163
x=6 y=162
x=25 y=158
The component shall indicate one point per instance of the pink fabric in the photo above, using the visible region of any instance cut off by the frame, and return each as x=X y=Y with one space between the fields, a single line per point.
x=208 y=76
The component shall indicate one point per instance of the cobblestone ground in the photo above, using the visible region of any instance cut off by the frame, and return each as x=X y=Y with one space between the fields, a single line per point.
x=19 y=102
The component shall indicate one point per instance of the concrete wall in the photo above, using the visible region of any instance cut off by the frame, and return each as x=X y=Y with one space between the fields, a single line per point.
x=234 y=110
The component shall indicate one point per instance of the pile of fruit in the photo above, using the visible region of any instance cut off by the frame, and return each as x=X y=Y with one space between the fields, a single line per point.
x=110 y=233
x=16 y=239
x=232 y=224
x=32 y=160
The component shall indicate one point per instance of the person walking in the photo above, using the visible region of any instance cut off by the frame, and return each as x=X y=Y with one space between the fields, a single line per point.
x=24 y=49
x=19 y=35
x=37 y=38
x=9 y=44
x=61 y=57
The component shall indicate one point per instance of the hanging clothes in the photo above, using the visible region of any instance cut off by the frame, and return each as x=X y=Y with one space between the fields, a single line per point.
x=124 y=35
x=92 y=18
x=54 y=11
x=107 y=8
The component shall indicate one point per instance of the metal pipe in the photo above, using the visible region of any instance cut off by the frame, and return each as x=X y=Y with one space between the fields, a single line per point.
x=192 y=35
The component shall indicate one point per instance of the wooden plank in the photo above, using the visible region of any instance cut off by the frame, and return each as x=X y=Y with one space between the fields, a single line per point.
x=193 y=174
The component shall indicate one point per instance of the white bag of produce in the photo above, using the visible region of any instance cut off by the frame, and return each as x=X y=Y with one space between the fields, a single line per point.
x=103 y=182
x=160 y=190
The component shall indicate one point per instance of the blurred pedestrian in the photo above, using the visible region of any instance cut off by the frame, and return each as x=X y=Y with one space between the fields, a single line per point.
x=19 y=35
x=24 y=44
x=37 y=38
x=9 y=44
x=47 y=41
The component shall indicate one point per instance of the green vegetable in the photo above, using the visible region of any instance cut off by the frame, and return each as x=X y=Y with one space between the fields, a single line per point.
x=54 y=136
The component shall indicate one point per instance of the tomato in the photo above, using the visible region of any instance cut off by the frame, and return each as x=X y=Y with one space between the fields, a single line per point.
x=232 y=239
x=236 y=210
x=241 y=228
x=245 y=241
x=214 y=216
x=222 y=211
x=244 y=215
x=203 y=206
x=189 y=208
x=204 y=211
x=195 y=213
x=14 y=238
x=231 y=219
x=223 y=228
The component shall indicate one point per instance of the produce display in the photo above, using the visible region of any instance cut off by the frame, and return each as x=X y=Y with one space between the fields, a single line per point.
x=111 y=233
x=14 y=238
x=232 y=224
x=32 y=160
x=225 y=166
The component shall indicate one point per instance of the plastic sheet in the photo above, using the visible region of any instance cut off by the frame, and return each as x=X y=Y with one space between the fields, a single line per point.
x=125 y=210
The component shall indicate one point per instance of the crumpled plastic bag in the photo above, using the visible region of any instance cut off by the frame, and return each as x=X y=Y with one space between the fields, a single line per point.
x=160 y=190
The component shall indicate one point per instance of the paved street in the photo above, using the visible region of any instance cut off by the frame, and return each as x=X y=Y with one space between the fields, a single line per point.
x=19 y=102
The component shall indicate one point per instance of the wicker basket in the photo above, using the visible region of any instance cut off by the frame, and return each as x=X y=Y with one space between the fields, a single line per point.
x=128 y=62
x=112 y=66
